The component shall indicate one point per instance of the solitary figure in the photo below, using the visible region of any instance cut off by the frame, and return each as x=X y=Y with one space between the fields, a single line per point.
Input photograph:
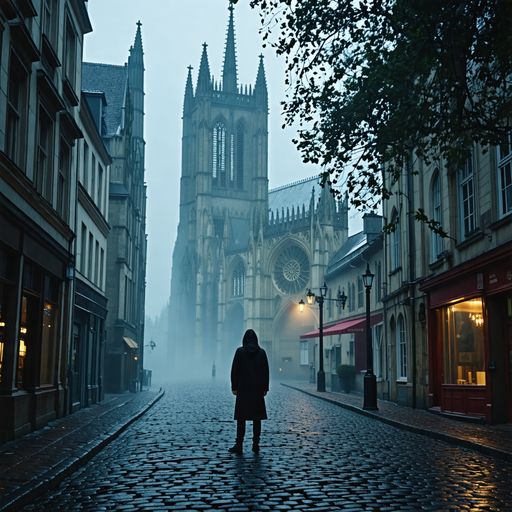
x=249 y=382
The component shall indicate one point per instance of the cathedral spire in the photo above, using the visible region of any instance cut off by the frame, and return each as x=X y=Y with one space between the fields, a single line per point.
x=229 y=78
x=260 y=88
x=189 y=93
x=204 y=83
x=136 y=82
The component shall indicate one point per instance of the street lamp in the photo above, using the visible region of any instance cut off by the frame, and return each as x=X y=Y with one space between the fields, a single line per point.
x=370 y=381
x=151 y=344
x=319 y=299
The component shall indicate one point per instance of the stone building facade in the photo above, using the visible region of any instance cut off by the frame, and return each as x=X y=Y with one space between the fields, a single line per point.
x=116 y=96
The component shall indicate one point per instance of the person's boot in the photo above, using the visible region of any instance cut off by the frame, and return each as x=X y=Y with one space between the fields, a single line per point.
x=237 y=448
x=256 y=445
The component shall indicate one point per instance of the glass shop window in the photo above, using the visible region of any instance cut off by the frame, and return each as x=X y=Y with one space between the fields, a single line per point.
x=48 y=345
x=463 y=343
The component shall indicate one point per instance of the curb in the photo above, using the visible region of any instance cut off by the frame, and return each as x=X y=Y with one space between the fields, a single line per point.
x=51 y=479
x=438 y=436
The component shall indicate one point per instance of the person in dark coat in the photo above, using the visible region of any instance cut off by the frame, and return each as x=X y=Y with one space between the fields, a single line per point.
x=249 y=382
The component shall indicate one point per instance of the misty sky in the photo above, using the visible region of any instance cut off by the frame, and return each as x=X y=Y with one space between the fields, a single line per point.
x=173 y=32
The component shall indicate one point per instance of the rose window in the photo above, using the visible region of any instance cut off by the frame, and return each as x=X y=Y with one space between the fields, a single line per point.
x=291 y=271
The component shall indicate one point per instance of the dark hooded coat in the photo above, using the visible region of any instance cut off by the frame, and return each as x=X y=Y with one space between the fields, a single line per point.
x=250 y=378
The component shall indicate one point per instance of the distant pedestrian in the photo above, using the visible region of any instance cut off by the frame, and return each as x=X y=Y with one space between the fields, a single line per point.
x=249 y=382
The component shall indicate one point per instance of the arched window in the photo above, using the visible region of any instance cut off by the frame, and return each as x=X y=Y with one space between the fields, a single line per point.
x=232 y=160
x=219 y=155
x=239 y=280
x=437 y=242
x=401 y=346
x=240 y=156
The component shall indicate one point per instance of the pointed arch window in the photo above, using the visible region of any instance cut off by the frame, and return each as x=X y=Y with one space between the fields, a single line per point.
x=219 y=154
x=240 y=156
x=239 y=280
x=232 y=160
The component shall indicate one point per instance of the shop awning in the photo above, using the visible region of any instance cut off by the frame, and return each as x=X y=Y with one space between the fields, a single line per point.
x=130 y=343
x=346 y=327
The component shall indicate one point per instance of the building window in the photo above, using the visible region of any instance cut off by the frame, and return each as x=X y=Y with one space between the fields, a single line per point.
x=48 y=333
x=99 y=197
x=377 y=350
x=240 y=156
x=63 y=180
x=338 y=303
x=467 y=198
x=70 y=53
x=351 y=297
x=102 y=265
x=505 y=177
x=85 y=181
x=395 y=243
x=378 y=283
x=360 y=293
x=463 y=342
x=437 y=241
x=219 y=154
x=239 y=279
x=44 y=175
x=330 y=302
x=92 y=190
x=16 y=107
x=91 y=248
x=304 y=352
x=50 y=18
x=401 y=345
x=97 y=264
x=83 y=248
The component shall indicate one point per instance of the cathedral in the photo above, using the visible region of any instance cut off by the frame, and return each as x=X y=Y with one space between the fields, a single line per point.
x=244 y=255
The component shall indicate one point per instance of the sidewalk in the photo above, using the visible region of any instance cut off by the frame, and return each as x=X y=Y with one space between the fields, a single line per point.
x=495 y=441
x=41 y=460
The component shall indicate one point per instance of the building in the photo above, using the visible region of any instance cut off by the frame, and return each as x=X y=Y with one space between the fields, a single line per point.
x=116 y=97
x=344 y=325
x=244 y=256
x=447 y=308
x=87 y=353
x=40 y=77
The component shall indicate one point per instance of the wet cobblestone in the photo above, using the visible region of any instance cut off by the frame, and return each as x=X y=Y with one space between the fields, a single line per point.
x=314 y=456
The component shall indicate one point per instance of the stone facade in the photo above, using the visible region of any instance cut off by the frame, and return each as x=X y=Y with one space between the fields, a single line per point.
x=122 y=118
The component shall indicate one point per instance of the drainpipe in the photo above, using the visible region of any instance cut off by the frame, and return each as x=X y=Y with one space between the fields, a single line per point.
x=412 y=270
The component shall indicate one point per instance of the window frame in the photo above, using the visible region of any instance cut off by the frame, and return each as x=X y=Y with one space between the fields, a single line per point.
x=504 y=161
x=401 y=348
x=219 y=154
x=396 y=242
x=466 y=179
x=238 y=281
x=304 y=353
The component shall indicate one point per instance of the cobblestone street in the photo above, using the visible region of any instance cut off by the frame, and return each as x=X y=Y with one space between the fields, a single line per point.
x=314 y=456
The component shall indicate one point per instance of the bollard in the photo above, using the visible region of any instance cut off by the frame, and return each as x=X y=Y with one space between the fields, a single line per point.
x=213 y=369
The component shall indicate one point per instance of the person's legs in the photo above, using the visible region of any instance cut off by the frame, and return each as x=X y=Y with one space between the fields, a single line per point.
x=256 y=428
x=240 y=434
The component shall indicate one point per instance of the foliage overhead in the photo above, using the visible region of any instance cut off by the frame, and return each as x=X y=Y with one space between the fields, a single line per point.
x=374 y=82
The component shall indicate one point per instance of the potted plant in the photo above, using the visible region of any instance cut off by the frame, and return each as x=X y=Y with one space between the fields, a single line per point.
x=345 y=373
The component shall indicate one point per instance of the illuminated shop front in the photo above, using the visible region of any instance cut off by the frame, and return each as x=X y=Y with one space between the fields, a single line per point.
x=470 y=338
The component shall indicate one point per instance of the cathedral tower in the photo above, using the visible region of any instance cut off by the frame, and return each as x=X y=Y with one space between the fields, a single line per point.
x=224 y=184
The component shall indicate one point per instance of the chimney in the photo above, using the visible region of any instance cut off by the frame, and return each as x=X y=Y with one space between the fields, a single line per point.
x=372 y=226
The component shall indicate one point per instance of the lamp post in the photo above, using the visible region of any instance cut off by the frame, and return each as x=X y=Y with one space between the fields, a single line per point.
x=370 y=381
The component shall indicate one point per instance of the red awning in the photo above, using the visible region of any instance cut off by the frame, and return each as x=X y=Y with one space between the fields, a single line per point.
x=345 y=327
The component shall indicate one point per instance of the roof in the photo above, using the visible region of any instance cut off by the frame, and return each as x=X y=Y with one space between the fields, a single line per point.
x=295 y=194
x=110 y=80
x=354 y=245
